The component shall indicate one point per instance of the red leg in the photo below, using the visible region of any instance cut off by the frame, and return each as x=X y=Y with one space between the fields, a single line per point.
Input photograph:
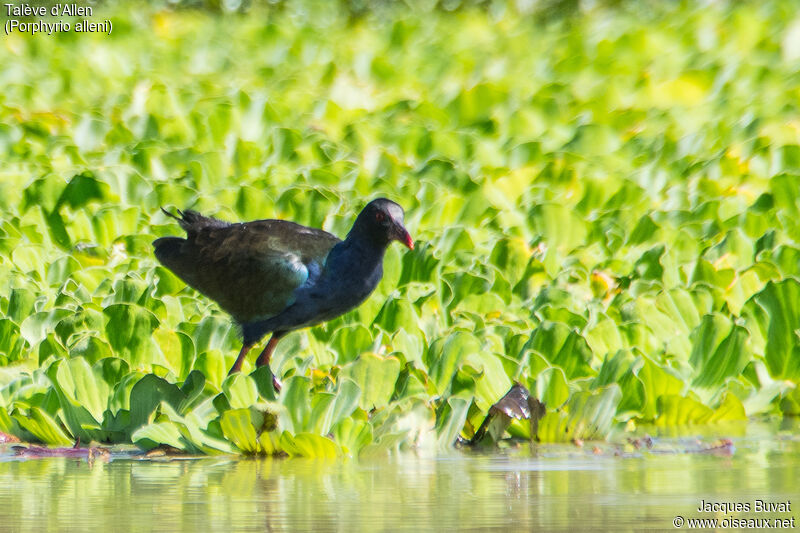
x=237 y=366
x=266 y=355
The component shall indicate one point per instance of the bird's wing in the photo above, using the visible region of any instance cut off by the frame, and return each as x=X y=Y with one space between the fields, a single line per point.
x=250 y=269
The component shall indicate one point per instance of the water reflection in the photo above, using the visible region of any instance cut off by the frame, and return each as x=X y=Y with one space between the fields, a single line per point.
x=551 y=489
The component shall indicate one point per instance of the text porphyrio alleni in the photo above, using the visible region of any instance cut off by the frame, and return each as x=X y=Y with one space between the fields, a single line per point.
x=275 y=276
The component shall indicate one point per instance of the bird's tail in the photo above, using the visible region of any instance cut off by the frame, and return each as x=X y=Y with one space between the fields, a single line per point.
x=176 y=217
x=192 y=221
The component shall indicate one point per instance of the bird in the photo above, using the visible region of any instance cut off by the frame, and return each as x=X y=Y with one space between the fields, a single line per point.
x=277 y=276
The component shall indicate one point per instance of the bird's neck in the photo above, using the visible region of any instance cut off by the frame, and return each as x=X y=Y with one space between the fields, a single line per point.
x=361 y=251
x=357 y=258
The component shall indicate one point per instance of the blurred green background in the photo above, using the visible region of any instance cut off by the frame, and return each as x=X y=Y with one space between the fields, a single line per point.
x=604 y=197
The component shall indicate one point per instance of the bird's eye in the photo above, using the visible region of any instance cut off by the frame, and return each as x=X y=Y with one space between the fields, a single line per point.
x=379 y=216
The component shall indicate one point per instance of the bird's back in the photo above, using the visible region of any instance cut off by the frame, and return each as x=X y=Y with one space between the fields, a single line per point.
x=250 y=269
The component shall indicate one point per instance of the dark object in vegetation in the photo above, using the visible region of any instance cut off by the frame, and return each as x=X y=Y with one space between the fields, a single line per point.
x=37 y=452
x=722 y=447
x=638 y=442
x=516 y=404
x=275 y=276
x=163 y=450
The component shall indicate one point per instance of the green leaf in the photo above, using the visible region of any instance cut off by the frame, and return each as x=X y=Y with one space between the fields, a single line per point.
x=7 y=424
x=396 y=314
x=83 y=395
x=43 y=192
x=604 y=337
x=649 y=267
x=241 y=391
x=21 y=304
x=680 y=411
x=510 y=256
x=198 y=440
x=445 y=357
x=775 y=312
x=42 y=426
x=450 y=420
x=129 y=331
x=352 y=435
x=719 y=351
x=309 y=445
x=563 y=348
x=587 y=416
x=237 y=426
x=657 y=382
x=552 y=388
x=10 y=340
x=82 y=189
x=790 y=403
x=61 y=269
x=262 y=376
x=329 y=410
x=493 y=382
x=177 y=349
x=192 y=388
x=147 y=394
x=212 y=364
x=158 y=433
x=634 y=396
x=419 y=264
x=560 y=226
x=375 y=376
x=34 y=329
x=350 y=341
x=296 y=397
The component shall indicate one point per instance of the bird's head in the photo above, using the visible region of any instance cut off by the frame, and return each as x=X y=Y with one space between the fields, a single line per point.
x=381 y=220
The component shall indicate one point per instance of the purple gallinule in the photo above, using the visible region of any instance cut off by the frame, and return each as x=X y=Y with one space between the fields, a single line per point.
x=275 y=276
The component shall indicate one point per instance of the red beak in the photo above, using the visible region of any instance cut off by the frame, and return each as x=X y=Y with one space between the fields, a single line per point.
x=407 y=240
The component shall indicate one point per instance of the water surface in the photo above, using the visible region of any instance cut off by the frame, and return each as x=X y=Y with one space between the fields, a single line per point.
x=550 y=488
